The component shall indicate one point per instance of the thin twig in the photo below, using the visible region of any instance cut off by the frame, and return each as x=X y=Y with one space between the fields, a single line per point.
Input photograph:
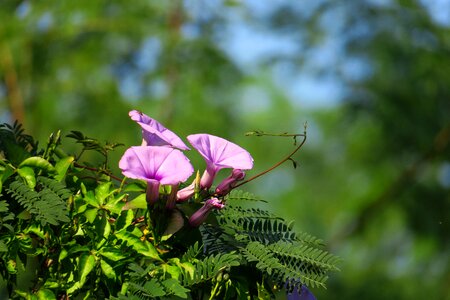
x=288 y=157
x=97 y=170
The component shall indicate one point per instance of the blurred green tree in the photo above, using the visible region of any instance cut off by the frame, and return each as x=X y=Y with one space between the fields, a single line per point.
x=374 y=176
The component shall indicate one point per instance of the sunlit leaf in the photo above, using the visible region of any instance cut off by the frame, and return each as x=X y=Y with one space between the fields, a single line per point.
x=107 y=270
x=27 y=173
x=38 y=163
x=62 y=166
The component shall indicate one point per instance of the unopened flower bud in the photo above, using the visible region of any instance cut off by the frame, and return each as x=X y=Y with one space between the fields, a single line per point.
x=200 y=215
x=228 y=183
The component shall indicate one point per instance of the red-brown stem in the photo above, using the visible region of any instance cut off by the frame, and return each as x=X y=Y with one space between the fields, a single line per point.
x=97 y=170
x=274 y=166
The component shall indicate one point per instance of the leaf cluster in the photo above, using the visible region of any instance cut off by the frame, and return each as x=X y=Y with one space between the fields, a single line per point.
x=83 y=235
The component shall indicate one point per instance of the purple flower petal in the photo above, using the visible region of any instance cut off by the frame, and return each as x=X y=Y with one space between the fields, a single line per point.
x=218 y=154
x=304 y=294
x=186 y=193
x=154 y=133
x=162 y=164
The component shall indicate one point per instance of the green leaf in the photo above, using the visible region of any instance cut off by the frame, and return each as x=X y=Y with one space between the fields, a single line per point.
x=6 y=170
x=63 y=254
x=4 y=206
x=125 y=219
x=174 y=271
x=102 y=192
x=3 y=247
x=45 y=294
x=135 y=187
x=78 y=248
x=176 y=222
x=115 y=204
x=107 y=270
x=142 y=247
x=102 y=229
x=62 y=166
x=155 y=288
x=112 y=253
x=85 y=266
x=138 y=202
x=91 y=214
x=27 y=173
x=37 y=162
x=175 y=287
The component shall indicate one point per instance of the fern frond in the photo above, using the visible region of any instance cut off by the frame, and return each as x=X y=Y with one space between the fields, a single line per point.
x=149 y=290
x=5 y=216
x=282 y=266
x=46 y=206
x=192 y=252
x=209 y=267
x=266 y=261
x=238 y=212
x=266 y=231
x=217 y=240
x=54 y=186
x=295 y=252
x=240 y=195
x=309 y=279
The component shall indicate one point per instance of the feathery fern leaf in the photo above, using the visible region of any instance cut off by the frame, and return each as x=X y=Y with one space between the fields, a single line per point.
x=209 y=267
x=217 y=240
x=266 y=261
x=191 y=253
x=306 y=254
x=46 y=205
x=238 y=212
x=240 y=195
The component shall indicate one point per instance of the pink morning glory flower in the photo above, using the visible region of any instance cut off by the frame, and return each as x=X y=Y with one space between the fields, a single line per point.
x=228 y=183
x=200 y=215
x=219 y=154
x=156 y=165
x=154 y=133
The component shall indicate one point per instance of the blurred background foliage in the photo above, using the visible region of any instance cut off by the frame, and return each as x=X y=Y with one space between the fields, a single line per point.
x=371 y=78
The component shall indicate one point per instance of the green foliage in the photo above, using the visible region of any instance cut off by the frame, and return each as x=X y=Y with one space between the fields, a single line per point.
x=47 y=202
x=87 y=236
x=15 y=145
x=379 y=159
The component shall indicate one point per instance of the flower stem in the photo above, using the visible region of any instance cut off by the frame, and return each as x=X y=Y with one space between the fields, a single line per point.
x=288 y=157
